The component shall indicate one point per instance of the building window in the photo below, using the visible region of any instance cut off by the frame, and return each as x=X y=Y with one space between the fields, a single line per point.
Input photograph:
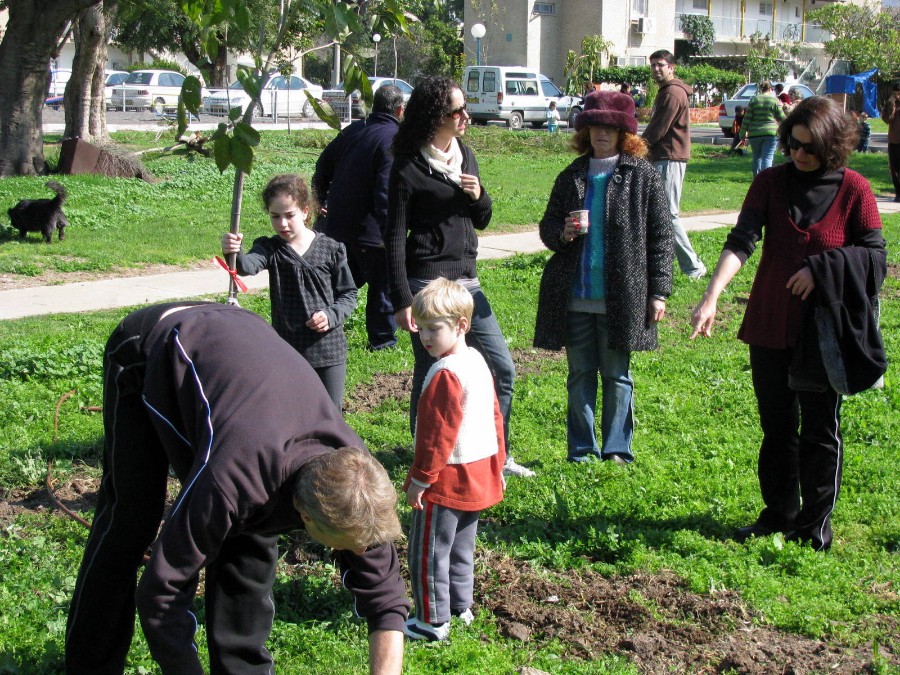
x=545 y=8
x=765 y=8
x=640 y=7
x=700 y=4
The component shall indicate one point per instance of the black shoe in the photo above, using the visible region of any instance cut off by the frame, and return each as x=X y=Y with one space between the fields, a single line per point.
x=742 y=534
x=615 y=459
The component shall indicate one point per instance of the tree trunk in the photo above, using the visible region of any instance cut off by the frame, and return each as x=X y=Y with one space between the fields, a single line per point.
x=30 y=38
x=84 y=91
x=214 y=73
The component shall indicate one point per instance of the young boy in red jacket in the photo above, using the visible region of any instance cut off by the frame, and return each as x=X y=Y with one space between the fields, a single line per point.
x=458 y=466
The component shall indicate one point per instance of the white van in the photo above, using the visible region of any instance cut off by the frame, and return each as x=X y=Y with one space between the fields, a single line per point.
x=515 y=95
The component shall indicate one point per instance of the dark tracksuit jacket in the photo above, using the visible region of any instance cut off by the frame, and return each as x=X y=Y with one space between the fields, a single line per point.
x=237 y=412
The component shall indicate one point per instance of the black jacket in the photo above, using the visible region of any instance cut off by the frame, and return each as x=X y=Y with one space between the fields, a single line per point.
x=239 y=412
x=431 y=224
x=351 y=181
x=848 y=280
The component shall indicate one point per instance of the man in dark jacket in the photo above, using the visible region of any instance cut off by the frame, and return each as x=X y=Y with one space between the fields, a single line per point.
x=351 y=184
x=669 y=136
x=211 y=391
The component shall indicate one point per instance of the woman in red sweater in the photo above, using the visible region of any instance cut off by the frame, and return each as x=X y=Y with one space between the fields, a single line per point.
x=803 y=208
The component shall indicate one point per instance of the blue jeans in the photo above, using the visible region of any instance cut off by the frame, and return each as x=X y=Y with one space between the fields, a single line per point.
x=588 y=354
x=485 y=336
x=763 y=152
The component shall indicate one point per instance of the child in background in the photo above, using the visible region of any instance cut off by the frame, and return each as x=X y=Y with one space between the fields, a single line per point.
x=458 y=466
x=310 y=285
x=552 y=118
x=736 y=141
x=865 y=131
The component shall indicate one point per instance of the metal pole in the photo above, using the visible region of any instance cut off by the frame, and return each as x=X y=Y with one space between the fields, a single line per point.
x=477 y=51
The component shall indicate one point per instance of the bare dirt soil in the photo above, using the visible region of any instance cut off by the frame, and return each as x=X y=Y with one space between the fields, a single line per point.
x=11 y=281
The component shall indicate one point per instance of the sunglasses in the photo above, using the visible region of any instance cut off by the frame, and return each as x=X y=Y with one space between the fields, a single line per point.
x=794 y=144
x=457 y=112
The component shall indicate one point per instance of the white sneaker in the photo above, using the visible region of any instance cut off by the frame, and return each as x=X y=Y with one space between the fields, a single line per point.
x=466 y=617
x=512 y=468
x=419 y=630
x=698 y=273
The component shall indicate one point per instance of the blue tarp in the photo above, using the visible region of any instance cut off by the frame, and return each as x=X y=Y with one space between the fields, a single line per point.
x=846 y=84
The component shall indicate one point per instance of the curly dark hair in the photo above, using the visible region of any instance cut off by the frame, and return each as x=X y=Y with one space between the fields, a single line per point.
x=425 y=112
x=834 y=133
x=291 y=185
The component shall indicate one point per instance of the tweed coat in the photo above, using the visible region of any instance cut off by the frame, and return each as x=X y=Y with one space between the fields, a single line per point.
x=639 y=243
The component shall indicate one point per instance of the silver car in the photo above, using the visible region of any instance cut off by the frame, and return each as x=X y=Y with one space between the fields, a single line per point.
x=742 y=98
x=337 y=99
x=280 y=96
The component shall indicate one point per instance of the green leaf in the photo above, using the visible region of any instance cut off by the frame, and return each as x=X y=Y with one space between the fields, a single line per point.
x=221 y=130
x=222 y=153
x=234 y=113
x=246 y=134
x=250 y=81
x=242 y=17
x=325 y=113
x=241 y=155
x=191 y=92
x=193 y=9
x=212 y=44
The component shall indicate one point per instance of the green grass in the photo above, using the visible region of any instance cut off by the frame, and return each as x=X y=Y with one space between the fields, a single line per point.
x=694 y=481
x=697 y=434
x=178 y=219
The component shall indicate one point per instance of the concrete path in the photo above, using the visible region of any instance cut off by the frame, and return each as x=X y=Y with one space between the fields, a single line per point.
x=87 y=296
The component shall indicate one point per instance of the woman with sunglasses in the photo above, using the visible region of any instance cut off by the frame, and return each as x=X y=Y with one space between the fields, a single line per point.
x=810 y=211
x=435 y=204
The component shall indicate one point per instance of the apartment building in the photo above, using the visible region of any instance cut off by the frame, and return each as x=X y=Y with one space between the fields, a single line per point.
x=538 y=34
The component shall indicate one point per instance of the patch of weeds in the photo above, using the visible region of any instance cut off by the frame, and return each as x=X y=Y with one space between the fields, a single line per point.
x=52 y=363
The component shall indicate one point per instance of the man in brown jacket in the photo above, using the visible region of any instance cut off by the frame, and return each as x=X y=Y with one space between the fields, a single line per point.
x=669 y=136
x=891 y=116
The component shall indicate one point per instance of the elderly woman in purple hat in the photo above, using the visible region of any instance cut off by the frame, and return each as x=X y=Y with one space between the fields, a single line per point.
x=604 y=289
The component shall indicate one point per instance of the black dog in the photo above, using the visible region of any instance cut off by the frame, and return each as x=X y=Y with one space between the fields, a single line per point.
x=41 y=215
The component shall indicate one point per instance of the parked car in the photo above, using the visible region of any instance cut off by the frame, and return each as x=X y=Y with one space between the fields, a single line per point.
x=113 y=78
x=282 y=95
x=742 y=98
x=515 y=95
x=337 y=98
x=58 y=78
x=158 y=89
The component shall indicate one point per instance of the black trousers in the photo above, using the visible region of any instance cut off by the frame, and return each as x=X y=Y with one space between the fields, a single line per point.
x=801 y=456
x=893 y=153
x=130 y=504
x=368 y=264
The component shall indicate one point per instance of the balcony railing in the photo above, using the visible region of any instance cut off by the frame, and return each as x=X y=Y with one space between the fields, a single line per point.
x=729 y=27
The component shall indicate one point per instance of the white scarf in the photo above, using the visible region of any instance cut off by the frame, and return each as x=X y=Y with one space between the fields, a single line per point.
x=448 y=163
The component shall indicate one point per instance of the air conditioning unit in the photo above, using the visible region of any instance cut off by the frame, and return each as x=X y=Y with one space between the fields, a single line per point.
x=645 y=24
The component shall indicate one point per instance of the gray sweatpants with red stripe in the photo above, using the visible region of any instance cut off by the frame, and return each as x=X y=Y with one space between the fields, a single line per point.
x=442 y=561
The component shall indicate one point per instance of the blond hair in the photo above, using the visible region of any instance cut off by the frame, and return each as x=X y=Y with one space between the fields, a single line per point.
x=443 y=299
x=348 y=492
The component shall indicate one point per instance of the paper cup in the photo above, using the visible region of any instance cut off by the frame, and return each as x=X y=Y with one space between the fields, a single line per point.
x=583 y=221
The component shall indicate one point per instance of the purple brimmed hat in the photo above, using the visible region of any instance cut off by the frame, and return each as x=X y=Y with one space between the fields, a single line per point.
x=612 y=108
